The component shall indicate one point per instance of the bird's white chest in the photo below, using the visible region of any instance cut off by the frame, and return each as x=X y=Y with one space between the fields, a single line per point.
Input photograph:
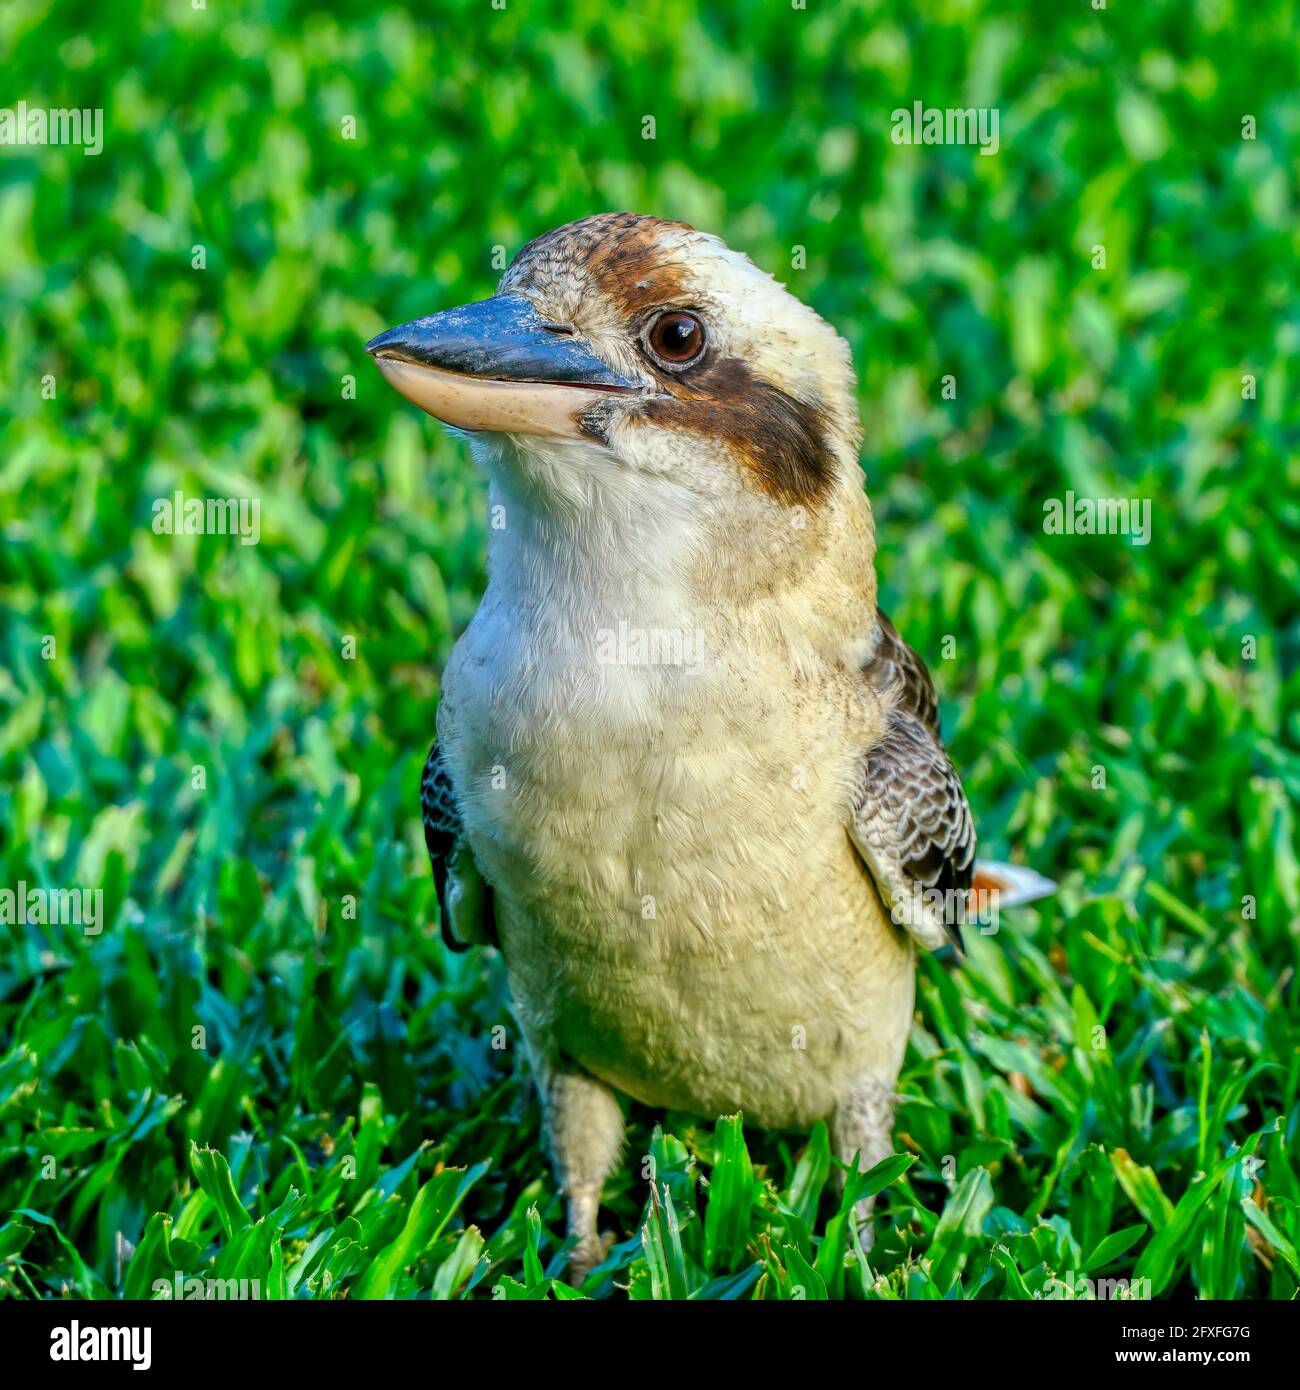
x=612 y=769
x=661 y=812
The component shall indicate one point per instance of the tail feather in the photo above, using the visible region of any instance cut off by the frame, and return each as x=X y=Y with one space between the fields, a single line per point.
x=1013 y=883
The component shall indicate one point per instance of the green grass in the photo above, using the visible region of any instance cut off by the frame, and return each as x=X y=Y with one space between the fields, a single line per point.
x=353 y=1117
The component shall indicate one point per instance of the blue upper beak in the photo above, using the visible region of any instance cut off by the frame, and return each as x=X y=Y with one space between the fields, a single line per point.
x=503 y=339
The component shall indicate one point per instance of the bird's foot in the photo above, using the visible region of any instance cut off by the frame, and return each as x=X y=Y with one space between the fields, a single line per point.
x=585 y=1256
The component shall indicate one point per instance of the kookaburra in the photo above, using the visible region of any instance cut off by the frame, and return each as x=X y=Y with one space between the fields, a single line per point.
x=687 y=775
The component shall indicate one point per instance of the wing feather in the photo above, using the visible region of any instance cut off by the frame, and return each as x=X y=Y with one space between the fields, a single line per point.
x=896 y=665
x=913 y=828
x=911 y=821
x=466 y=915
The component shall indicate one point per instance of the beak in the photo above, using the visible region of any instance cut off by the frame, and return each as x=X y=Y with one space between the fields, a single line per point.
x=497 y=364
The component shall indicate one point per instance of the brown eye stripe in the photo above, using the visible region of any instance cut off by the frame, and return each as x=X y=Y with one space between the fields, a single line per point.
x=783 y=440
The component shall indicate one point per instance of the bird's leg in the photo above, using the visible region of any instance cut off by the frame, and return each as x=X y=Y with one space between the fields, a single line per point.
x=585 y=1128
x=862 y=1128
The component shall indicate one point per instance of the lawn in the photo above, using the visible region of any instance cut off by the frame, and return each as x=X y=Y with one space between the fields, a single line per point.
x=265 y=1065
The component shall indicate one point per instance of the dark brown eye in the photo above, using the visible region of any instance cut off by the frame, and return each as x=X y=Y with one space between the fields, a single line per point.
x=677 y=338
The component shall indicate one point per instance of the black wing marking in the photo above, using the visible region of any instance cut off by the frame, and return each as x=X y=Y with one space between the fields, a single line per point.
x=449 y=854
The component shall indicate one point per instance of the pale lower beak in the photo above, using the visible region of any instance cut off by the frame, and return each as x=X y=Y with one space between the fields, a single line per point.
x=497 y=365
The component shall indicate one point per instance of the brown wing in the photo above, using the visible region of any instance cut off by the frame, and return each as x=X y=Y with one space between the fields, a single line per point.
x=896 y=664
x=911 y=821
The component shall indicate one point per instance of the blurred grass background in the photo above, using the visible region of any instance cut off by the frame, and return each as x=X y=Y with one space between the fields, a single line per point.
x=344 y=1125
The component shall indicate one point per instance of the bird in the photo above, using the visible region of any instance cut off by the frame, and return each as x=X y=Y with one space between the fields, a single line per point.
x=687 y=776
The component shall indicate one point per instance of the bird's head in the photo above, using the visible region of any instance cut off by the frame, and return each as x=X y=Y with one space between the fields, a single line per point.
x=632 y=348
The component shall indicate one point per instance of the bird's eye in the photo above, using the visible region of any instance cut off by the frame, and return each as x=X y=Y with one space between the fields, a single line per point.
x=677 y=338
